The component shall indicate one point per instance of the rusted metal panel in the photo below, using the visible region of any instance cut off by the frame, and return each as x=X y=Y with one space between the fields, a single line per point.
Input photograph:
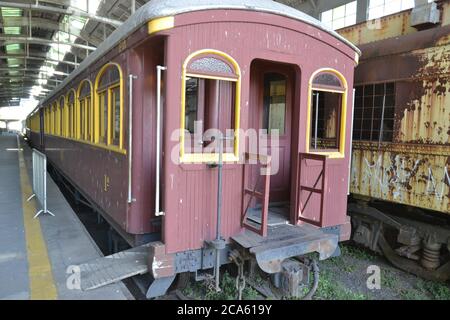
x=414 y=168
x=379 y=29
x=426 y=116
x=445 y=13
x=417 y=175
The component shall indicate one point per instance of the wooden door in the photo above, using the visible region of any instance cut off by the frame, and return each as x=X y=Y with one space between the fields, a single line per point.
x=275 y=84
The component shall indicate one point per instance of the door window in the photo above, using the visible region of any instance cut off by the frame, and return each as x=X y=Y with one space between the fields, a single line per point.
x=274 y=103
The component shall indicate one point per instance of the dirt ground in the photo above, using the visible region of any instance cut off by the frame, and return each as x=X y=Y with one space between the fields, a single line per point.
x=343 y=278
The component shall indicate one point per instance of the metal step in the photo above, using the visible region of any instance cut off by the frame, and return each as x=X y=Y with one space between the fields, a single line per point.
x=287 y=241
x=119 y=266
x=275 y=217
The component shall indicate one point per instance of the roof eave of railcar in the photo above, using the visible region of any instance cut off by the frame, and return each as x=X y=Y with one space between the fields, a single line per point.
x=164 y=8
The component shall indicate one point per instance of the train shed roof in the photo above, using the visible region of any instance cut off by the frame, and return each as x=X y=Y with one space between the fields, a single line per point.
x=163 y=8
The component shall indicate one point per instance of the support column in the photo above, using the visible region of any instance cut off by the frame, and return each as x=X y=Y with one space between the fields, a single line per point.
x=361 y=10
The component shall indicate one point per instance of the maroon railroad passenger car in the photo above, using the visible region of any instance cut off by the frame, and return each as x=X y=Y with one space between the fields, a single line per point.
x=137 y=129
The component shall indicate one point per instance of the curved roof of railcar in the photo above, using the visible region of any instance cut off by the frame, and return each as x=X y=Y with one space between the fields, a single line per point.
x=163 y=8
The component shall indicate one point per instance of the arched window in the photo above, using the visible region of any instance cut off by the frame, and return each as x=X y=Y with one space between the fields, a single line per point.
x=49 y=115
x=62 y=116
x=109 y=102
x=327 y=113
x=210 y=106
x=72 y=115
x=55 y=119
x=46 y=122
x=85 y=100
x=49 y=119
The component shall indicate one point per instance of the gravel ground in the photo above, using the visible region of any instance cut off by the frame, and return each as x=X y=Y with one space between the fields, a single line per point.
x=343 y=278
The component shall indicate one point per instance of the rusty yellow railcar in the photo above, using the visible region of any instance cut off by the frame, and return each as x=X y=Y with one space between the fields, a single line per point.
x=401 y=138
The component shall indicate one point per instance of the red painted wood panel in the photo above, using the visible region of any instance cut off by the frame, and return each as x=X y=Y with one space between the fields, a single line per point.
x=189 y=196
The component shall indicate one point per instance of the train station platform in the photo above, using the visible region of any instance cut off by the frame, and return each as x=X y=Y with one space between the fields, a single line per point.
x=36 y=255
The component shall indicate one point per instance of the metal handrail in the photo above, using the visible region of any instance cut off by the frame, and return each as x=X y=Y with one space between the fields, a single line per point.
x=130 y=139
x=159 y=70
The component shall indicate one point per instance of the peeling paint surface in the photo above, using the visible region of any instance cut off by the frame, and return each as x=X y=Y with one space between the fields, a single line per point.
x=413 y=169
x=411 y=177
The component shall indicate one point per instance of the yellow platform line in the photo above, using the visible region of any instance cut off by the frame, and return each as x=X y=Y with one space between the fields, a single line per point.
x=41 y=281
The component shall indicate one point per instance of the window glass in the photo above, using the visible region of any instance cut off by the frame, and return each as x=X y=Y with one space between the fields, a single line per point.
x=115 y=116
x=325 y=120
x=210 y=105
x=85 y=110
x=103 y=117
x=55 y=119
x=327 y=79
x=62 y=115
x=191 y=106
x=70 y=110
x=326 y=108
x=85 y=90
x=374 y=112
x=82 y=119
x=211 y=65
x=88 y=119
x=274 y=102
x=109 y=77
x=381 y=8
x=340 y=17
x=109 y=99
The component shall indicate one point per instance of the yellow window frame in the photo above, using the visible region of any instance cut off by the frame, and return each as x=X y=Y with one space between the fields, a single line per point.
x=97 y=110
x=52 y=120
x=102 y=128
x=71 y=114
x=49 y=114
x=111 y=114
x=343 y=125
x=210 y=157
x=49 y=130
x=56 y=118
x=88 y=110
x=63 y=117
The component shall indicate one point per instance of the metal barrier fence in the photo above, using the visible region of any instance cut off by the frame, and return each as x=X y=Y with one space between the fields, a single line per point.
x=40 y=182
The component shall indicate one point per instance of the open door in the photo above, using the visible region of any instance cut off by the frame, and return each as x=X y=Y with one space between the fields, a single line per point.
x=271 y=104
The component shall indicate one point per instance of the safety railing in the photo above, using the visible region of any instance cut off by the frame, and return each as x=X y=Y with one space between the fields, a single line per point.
x=40 y=182
x=249 y=194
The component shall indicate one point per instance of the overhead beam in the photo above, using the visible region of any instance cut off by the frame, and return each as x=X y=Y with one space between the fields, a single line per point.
x=10 y=77
x=56 y=73
x=15 y=39
x=69 y=11
x=20 y=83
x=12 y=88
x=46 y=24
x=25 y=57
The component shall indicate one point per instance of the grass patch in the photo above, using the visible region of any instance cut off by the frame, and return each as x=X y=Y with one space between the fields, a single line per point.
x=201 y=290
x=357 y=253
x=412 y=294
x=439 y=291
x=389 y=279
x=330 y=289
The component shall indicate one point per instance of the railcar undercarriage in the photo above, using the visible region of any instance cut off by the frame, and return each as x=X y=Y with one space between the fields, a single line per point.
x=417 y=247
